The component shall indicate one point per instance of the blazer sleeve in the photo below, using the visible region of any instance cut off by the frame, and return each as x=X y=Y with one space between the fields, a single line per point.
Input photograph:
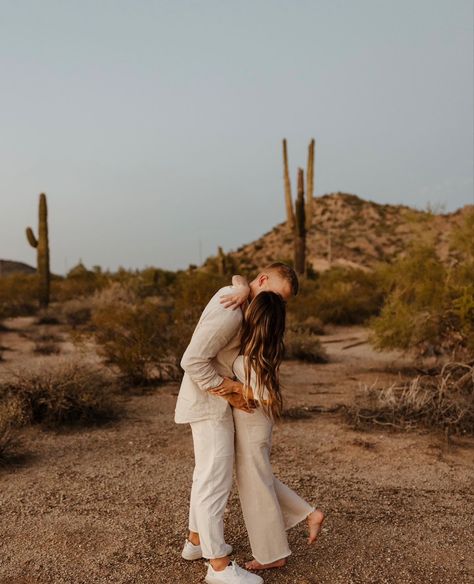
x=216 y=329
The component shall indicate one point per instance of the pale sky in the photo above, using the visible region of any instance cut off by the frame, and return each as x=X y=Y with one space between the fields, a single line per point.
x=155 y=127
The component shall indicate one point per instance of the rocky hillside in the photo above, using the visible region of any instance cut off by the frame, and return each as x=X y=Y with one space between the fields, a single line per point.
x=8 y=267
x=347 y=230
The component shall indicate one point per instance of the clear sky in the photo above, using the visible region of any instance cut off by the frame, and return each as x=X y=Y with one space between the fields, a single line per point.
x=155 y=126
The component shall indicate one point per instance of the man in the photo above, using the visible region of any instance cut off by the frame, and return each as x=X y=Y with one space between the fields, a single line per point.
x=207 y=363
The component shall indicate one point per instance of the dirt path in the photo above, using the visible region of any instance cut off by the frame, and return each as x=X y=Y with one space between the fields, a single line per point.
x=109 y=505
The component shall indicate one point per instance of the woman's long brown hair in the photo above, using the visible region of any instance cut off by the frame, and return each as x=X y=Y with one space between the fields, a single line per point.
x=261 y=343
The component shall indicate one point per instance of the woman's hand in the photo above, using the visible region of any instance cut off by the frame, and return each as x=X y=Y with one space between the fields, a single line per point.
x=236 y=400
x=235 y=299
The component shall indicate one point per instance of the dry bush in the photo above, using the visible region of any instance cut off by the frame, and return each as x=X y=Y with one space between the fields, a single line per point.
x=46 y=348
x=77 y=311
x=47 y=344
x=8 y=436
x=444 y=400
x=49 y=315
x=8 y=443
x=304 y=346
x=66 y=392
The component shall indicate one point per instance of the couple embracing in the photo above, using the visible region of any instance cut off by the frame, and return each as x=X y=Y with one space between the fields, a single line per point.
x=230 y=395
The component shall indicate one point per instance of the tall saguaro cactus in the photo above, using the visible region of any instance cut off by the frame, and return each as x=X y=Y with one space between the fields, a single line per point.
x=42 y=250
x=221 y=263
x=310 y=185
x=286 y=178
x=300 y=227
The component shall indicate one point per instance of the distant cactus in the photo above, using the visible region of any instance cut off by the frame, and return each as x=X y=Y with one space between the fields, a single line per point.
x=288 y=200
x=42 y=246
x=300 y=227
x=221 y=262
x=310 y=185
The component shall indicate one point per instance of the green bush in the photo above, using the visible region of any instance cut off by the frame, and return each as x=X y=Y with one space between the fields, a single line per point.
x=78 y=285
x=339 y=296
x=192 y=291
x=304 y=346
x=18 y=295
x=138 y=336
x=430 y=306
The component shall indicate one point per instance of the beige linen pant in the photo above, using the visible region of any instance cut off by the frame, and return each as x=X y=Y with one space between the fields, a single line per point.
x=269 y=507
x=212 y=482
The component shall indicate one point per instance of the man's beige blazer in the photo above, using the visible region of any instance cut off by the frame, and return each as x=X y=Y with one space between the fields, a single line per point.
x=209 y=356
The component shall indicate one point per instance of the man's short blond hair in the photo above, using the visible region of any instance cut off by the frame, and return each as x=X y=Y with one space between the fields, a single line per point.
x=287 y=273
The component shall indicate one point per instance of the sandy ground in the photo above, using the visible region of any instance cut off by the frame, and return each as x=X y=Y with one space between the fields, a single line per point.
x=109 y=505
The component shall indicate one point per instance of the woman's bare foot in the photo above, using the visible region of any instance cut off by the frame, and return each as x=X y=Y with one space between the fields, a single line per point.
x=254 y=565
x=315 y=520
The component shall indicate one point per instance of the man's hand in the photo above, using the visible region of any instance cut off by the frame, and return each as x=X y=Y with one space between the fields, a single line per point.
x=232 y=391
x=242 y=291
x=227 y=387
x=236 y=400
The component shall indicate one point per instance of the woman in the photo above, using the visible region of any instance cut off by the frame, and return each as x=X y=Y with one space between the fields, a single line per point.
x=269 y=507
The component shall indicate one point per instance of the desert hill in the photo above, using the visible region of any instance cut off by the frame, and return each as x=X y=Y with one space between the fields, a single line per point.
x=350 y=231
x=8 y=267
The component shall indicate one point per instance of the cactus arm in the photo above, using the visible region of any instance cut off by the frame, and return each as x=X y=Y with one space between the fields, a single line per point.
x=31 y=237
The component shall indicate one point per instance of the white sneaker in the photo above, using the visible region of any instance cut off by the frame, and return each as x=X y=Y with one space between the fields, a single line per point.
x=194 y=552
x=233 y=574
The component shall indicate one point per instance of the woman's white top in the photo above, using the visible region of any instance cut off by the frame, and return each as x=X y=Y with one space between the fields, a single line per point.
x=239 y=371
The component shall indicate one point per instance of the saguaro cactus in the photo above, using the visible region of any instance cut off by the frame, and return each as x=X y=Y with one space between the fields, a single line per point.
x=42 y=250
x=286 y=178
x=300 y=227
x=221 y=261
x=310 y=185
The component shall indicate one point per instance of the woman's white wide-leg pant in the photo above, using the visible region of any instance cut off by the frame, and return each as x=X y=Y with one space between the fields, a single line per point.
x=212 y=482
x=269 y=507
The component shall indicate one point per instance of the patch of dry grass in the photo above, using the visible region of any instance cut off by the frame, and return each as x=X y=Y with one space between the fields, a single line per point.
x=59 y=393
x=444 y=400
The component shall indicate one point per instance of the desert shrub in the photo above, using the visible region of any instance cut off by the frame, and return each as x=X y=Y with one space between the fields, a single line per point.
x=46 y=348
x=339 y=296
x=153 y=282
x=61 y=393
x=49 y=315
x=18 y=295
x=140 y=337
x=78 y=283
x=304 y=346
x=77 y=311
x=46 y=343
x=9 y=437
x=8 y=440
x=429 y=306
x=443 y=400
x=311 y=325
x=192 y=291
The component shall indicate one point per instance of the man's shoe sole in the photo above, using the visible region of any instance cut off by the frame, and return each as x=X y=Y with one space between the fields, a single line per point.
x=213 y=580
